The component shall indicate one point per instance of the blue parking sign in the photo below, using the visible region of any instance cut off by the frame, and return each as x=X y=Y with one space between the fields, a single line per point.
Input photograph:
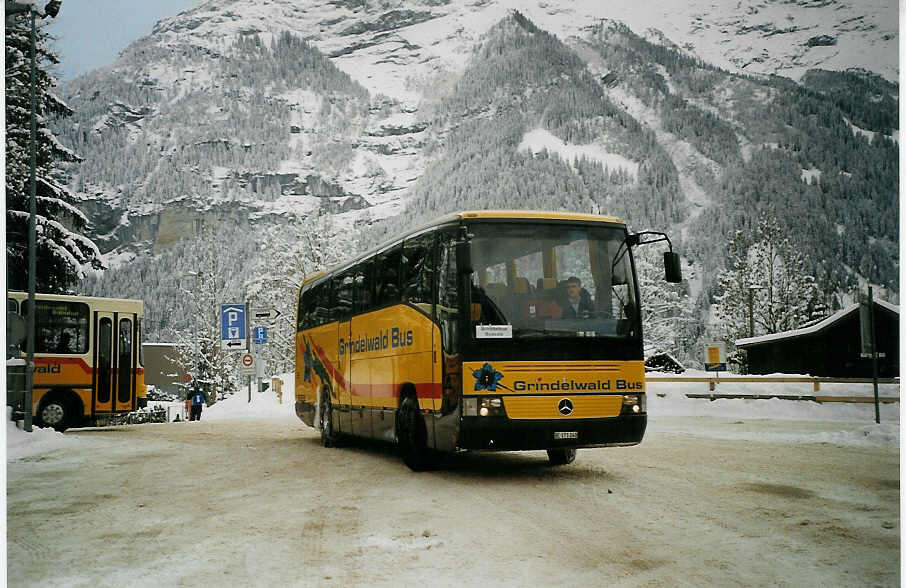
x=232 y=326
x=260 y=334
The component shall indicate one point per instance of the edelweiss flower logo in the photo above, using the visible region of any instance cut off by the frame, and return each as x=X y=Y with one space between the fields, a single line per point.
x=487 y=378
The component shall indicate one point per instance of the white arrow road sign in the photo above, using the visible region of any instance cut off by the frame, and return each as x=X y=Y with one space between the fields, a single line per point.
x=264 y=314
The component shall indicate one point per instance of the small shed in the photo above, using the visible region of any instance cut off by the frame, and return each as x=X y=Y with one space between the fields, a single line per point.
x=829 y=348
x=161 y=369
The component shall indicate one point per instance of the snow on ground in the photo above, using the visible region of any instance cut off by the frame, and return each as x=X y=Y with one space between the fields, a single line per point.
x=665 y=399
x=21 y=445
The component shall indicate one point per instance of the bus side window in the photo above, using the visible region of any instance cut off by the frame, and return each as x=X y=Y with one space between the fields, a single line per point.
x=448 y=294
x=11 y=305
x=386 y=278
x=322 y=313
x=302 y=311
x=344 y=285
x=418 y=272
x=60 y=327
x=364 y=298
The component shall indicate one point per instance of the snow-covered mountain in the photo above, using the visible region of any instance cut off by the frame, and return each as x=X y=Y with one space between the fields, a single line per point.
x=406 y=54
x=390 y=45
x=260 y=113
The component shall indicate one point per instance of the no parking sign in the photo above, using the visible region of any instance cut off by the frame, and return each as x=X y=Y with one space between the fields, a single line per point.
x=248 y=364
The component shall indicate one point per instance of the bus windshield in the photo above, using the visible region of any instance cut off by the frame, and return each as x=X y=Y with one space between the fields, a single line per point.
x=552 y=280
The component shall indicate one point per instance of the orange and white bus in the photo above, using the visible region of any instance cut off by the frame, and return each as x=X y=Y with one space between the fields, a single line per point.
x=87 y=358
x=490 y=330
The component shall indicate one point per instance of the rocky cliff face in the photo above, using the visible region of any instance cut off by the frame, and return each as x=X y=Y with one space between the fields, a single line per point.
x=261 y=111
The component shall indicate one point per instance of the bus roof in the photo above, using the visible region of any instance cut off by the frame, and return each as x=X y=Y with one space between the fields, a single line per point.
x=537 y=214
x=516 y=215
x=109 y=302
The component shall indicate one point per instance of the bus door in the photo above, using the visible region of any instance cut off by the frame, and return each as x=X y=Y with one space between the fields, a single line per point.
x=343 y=285
x=114 y=361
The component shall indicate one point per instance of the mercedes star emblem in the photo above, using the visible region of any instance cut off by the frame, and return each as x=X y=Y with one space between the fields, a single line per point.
x=565 y=407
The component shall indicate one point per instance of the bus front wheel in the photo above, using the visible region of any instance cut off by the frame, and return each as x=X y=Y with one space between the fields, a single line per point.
x=413 y=436
x=561 y=455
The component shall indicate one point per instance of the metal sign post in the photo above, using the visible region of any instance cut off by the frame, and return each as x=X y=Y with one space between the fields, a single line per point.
x=870 y=344
x=247 y=363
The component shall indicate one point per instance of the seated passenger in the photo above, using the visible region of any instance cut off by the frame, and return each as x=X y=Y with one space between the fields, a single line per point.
x=577 y=303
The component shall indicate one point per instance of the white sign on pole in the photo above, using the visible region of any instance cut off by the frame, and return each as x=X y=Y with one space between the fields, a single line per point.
x=264 y=315
x=248 y=364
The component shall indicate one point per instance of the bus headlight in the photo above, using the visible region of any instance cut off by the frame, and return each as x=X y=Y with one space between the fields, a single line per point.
x=491 y=405
x=483 y=406
x=634 y=403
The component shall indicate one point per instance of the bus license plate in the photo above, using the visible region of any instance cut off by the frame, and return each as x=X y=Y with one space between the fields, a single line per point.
x=566 y=434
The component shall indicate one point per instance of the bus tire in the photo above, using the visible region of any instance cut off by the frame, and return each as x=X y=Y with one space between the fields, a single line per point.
x=328 y=435
x=56 y=412
x=412 y=435
x=561 y=455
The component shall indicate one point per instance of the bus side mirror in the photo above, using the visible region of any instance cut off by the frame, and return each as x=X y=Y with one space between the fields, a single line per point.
x=673 y=272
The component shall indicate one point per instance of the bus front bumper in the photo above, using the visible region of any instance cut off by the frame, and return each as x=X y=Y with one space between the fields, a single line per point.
x=499 y=433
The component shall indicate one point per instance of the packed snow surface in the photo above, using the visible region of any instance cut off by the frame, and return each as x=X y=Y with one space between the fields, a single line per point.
x=666 y=399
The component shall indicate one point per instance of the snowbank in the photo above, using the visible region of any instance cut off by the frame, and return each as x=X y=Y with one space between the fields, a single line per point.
x=263 y=405
x=20 y=445
x=668 y=399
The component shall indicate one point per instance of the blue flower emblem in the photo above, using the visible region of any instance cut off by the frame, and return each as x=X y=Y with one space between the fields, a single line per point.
x=487 y=378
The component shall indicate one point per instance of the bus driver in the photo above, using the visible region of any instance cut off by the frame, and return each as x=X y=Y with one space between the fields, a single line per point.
x=578 y=302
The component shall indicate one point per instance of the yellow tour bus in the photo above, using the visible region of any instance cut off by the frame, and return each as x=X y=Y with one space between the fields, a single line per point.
x=485 y=330
x=88 y=364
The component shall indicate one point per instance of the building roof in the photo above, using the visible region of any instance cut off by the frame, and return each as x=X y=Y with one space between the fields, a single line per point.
x=811 y=329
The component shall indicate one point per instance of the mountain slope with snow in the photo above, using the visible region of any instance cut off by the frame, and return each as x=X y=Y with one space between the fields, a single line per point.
x=254 y=115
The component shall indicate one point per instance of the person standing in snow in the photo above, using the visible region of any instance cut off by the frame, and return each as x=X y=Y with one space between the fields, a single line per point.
x=197 y=401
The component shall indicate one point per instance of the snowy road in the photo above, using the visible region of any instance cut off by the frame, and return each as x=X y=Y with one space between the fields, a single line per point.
x=261 y=503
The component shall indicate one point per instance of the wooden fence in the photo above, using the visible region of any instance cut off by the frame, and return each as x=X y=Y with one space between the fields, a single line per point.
x=816 y=382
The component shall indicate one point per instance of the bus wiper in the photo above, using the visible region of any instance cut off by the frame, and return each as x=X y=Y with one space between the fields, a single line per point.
x=531 y=333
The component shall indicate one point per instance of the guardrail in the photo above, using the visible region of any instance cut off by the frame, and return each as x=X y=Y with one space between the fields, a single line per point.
x=816 y=382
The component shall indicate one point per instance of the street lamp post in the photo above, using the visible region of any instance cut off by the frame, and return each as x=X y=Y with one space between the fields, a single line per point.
x=51 y=9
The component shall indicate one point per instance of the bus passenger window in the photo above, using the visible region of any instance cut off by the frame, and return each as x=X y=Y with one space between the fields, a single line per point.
x=364 y=300
x=386 y=278
x=344 y=284
x=60 y=327
x=448 y=295
x=323 y=305
x=418 y=272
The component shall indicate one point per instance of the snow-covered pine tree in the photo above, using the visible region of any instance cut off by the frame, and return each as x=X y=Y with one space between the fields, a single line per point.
x=669 y=318
x=204 y=289
x=768 y=270
x=293 y=252
x=62 y=250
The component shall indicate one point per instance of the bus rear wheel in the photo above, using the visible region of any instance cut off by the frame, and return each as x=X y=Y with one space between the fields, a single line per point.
x=328 y=435
x=55 y=412
x=561 y=455
x=413 y=437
